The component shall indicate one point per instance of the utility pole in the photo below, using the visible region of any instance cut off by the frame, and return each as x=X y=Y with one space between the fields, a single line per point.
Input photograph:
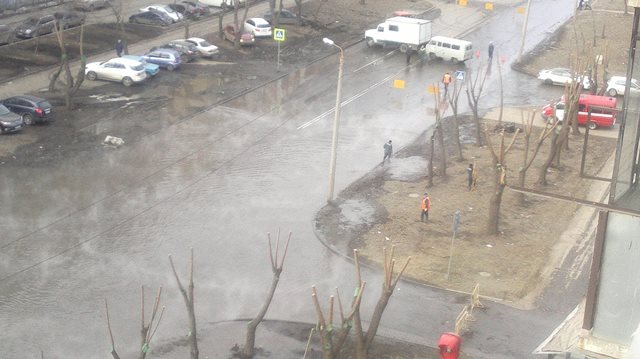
x=524 y=30
x=336 y=122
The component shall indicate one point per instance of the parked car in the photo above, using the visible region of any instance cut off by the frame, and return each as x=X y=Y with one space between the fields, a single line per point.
x=284 y=17
x=150 y=18
x=174 y=15
x=222 y=3
x=68 y=19
x=190 y=10
x=616 y=86
x=602 y=108
x=9 y=121
x=149 y=68
x=6 y=34
x=561 y=76
x=246 y=38
x=188 y=51
x=258 y=26
x=166 y=58
x=32 y=109
x=204 y=48
x=36 y=26
x=90 y=5
x=118 y=69
x=198 y=6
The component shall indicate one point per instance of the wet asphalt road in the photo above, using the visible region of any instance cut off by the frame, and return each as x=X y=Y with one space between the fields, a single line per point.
x=217 y=182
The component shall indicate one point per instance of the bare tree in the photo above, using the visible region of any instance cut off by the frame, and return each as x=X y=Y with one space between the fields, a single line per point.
x=439 y=105
x=500 y=178
x=147 y=330
x=365 y=340
x=527 y=160
x=452 y=97
x=473 y=89
x=187 y=295
x=560 y=135
x=276 y=269
x=71 y=85
x=117 y=8
x=332 y=338
x=239 y=25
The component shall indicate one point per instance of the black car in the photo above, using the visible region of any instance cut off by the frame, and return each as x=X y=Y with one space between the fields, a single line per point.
x=36 y=26
x=188 y=51
x=68 y=19
x=32 y=109
x=284 y=17
x=9 y=121
x=150 y=18
x=189 y=9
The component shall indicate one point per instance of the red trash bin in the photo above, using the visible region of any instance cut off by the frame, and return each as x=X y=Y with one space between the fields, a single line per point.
x=449 y=345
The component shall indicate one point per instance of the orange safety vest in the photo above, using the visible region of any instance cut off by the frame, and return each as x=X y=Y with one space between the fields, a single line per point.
x=446 y=78
x=426 y=203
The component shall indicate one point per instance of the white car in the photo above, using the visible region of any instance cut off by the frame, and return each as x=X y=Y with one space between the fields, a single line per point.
x=118 y=69
x=174 y=15
x=258 y=26
x=561 y=76
x=616 y=86
x=204 y=48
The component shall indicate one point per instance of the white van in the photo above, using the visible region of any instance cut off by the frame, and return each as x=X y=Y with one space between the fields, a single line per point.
x=448 y=48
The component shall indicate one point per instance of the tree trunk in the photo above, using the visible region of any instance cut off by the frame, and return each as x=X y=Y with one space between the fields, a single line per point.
x=443 y=155
x=542 y=176
x=456 y=133
x=220 y=30
x=476 y=121
x=250 y=340
x=376 y=317
x=522 y=176
x=494 y=209
x=430 y=164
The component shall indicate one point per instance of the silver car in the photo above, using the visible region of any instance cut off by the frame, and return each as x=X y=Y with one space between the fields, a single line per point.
x=90 y=5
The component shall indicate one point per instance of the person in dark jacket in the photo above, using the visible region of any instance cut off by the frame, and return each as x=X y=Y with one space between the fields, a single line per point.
x=388 y=151
x=119 y=47
x=490 y=50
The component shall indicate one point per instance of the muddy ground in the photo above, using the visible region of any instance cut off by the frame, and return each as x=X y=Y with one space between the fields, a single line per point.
x=507 y=266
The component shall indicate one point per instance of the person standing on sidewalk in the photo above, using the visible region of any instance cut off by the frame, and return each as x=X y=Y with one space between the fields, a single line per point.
x=470 y=176
x=491 y=50
x=446 y=80
x=388 y=152
x=425 y=205
x=119 y=48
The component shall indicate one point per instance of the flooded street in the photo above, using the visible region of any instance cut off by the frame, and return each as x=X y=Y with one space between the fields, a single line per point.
x=217 y=179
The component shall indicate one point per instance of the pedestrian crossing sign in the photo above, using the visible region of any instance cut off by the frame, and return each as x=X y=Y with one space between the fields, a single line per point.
x=459 y=75
x=279 y=34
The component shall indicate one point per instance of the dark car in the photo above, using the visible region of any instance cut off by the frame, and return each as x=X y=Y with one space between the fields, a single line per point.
x=284 y=17
x=9 y=121
x=246 y=38
x=90 y=5
x=150 y=18
x=166 y=58
x=191 y=10
x=32 y=109
x=68 y=19
x=36 y=26
x=188 y=51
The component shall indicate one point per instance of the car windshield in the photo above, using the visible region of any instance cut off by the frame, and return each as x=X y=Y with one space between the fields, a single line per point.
x=204 y=44
x=169 y=10
x=31 y=21
x=4 y=110
x=138 y=67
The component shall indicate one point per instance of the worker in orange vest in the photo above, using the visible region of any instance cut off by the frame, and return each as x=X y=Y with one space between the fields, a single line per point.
x=446 y=80
x=426 y=205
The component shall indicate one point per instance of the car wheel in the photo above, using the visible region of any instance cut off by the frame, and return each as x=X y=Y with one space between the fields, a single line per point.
x=404 y=48
x=593 y=125
x=92 y=75
x=612 y=92
x=127 y=81
x=170 y=67
x=27 y=119
x=370 y=42
x=454 y=60
x=1 y=130
x=184 y=58
x=92 y=7
x=548 y=82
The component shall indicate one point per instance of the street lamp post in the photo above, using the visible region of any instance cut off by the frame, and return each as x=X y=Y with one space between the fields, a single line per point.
x=336 y=122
